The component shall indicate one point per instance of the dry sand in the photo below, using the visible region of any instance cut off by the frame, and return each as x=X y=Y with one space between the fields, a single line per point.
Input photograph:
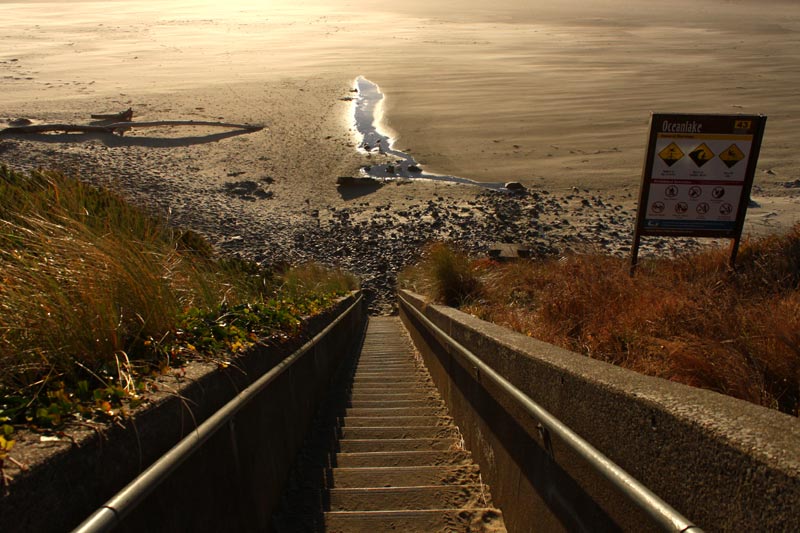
x=555 y=94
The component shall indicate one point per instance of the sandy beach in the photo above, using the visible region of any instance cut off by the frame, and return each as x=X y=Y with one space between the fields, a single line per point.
x=555 y=95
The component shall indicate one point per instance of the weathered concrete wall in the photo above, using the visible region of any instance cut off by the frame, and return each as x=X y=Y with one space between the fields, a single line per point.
x=232 y=484
x=723 y=463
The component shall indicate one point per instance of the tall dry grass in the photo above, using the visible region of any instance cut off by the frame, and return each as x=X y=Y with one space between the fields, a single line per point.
x=84 y=275
x=91 y=284
x=688 y=320
x=446 y=274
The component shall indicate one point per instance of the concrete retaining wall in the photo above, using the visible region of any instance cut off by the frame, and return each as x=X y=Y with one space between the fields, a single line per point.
x=232 y=484
x=723 y=463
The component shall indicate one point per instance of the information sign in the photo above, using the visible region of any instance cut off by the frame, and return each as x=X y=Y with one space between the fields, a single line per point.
x=697 y=176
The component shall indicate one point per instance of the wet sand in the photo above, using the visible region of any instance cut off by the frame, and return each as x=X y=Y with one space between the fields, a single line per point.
x=552 y=92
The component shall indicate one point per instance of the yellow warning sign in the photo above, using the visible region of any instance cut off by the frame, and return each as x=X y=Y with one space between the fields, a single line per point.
x=671 y=154
x=701 y=155
x=732 y=155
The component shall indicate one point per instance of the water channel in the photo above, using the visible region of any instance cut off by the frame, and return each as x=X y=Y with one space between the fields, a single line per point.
x=373 y=140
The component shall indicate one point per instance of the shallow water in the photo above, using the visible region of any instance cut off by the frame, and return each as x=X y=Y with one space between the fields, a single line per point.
x=366 y=113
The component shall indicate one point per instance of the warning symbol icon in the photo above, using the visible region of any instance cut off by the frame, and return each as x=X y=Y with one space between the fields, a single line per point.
x=671 y=154
x=732 y=155
x=701 y=155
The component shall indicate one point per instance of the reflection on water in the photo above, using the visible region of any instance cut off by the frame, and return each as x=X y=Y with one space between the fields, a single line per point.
x=366 y=113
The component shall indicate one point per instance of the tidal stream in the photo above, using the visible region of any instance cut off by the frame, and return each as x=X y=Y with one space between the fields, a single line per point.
x=373 y=140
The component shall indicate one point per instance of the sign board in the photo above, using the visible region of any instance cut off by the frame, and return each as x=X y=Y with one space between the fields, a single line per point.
x=697 y=176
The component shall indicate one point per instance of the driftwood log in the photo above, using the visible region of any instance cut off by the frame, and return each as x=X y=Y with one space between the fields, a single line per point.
x=122 y=116
x=120 y=127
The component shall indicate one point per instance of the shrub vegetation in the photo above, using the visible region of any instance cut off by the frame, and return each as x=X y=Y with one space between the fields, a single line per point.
x=96 y=295
x=686 y=319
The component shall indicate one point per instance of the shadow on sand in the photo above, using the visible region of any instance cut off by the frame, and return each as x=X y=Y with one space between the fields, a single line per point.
x=352 y=192
x=116 y=141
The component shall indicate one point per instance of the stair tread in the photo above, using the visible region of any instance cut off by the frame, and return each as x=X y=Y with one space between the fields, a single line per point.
x=404 y=476
x=397 y=432
x=395 y=421
x=376 y=445
x=425 y=410
x=403 y=458
x=418 y=521
x=391 y=457
x=408 y=498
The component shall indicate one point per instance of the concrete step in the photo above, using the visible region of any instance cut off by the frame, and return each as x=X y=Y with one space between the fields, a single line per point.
x=371 y=403
x=378 y=366
x=377 y=404
x=388 y=378
x=408 y=476
x=391 y=389
x=380 y=370
x=380 y=392
x=403 y=458
x=416 y=521
x=398 y=432
x=399 y=498
x=397 y=445
x=389 y=353
x=385 y=359
x=393 y=353
x=394 y=375
x=393 y=370
x=400 y=355
x=389 y=386
x=395 y=421
x=431 y=410
x=390 y=458
x=374 y=395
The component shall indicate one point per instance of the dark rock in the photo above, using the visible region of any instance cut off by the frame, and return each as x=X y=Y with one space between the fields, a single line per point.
x=246 y=190
x=351 y=181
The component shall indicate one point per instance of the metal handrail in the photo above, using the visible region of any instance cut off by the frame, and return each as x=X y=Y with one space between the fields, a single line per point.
x=107 y=517
x=656 y=508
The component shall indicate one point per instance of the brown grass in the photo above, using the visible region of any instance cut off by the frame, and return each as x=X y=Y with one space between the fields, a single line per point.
x=87 y=281
x=688 y=320
x=447 y=274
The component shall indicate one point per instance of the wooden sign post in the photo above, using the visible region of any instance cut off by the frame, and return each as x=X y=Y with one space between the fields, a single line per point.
x=697 y=177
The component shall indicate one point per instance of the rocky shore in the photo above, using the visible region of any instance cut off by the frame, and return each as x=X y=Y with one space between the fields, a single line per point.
x=557 y=98
x=373 y=229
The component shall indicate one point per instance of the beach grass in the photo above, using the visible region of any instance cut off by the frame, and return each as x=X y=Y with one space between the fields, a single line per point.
x=687 y=319
x=96 y=295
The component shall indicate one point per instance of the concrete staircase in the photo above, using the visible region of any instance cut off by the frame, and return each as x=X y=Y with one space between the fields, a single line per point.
x=395 y=461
